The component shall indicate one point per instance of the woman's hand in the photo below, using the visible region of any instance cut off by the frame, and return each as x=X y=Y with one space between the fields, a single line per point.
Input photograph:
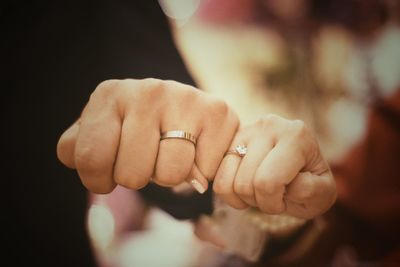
x=282 y=171
x=117 y=138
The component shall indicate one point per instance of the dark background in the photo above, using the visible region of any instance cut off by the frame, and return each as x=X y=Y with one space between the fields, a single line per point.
x=54 y=54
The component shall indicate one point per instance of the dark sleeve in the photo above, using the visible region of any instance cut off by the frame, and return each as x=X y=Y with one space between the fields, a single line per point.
x=54 y=55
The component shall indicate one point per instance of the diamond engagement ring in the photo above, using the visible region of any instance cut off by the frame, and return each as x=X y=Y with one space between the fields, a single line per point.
x=240 y=150
x=177 y=134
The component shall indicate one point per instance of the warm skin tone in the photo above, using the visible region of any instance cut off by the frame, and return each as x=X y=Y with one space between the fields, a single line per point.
x=117 y=141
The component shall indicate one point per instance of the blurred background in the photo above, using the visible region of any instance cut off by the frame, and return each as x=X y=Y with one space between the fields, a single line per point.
x=333 y=64
x=325 y=62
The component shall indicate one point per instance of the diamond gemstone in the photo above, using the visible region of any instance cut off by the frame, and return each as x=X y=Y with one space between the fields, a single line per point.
x=241 y=150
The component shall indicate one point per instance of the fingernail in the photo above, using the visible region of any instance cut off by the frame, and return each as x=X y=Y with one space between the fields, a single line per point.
x=198 y=186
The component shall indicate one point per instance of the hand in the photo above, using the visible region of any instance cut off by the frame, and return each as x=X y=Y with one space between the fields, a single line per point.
x=117 y=138
x=283 y=170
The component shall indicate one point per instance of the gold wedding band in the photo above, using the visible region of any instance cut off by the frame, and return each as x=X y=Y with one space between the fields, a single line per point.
x=178 y=135
x=239 y=150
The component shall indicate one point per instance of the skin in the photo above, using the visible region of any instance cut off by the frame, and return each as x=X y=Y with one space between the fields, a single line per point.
x=283 y=170
x=117 y=138
x=117 y=141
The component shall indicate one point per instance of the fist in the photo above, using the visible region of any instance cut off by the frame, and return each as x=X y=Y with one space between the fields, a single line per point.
x=117 y=138
x=282 y=171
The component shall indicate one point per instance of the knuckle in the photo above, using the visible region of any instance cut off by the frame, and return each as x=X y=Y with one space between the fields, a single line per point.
x=153 y=83
x=106 y=89
x=65 y=153
x=189 y=96
x=307 y=189
x=86 y=160
x=267 y=121
x=108 y=84
x=299 y=129
x=179 y=86
x=305 y=193
x=220 y=187
x=153 y=88
x=270 y=118
x=218 y=108
x=243 y=189
x=266 y=186
x=89 y=166
x=171 y=92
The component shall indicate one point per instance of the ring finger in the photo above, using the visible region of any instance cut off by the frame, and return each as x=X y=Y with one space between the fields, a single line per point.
x=243 y=182
x=223 y=184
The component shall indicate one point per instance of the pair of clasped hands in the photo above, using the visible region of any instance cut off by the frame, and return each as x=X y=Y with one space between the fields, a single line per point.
x=116 y=141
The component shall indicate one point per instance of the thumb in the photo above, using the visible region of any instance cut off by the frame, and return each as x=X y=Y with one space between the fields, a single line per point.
x=66 y=145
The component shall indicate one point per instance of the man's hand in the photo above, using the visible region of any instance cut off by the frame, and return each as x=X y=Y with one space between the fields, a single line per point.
x=117 y=138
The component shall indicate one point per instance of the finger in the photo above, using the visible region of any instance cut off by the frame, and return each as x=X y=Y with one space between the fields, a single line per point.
x=66 y=145
x=274 y=173
x=174 y=162
x=197 y=180
x=243 y=186
x=309 y=195
x=224 y=179
x=137 y=151
x=97 y=142
x=219 y=128
x=176 y=156
x=194 y=182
